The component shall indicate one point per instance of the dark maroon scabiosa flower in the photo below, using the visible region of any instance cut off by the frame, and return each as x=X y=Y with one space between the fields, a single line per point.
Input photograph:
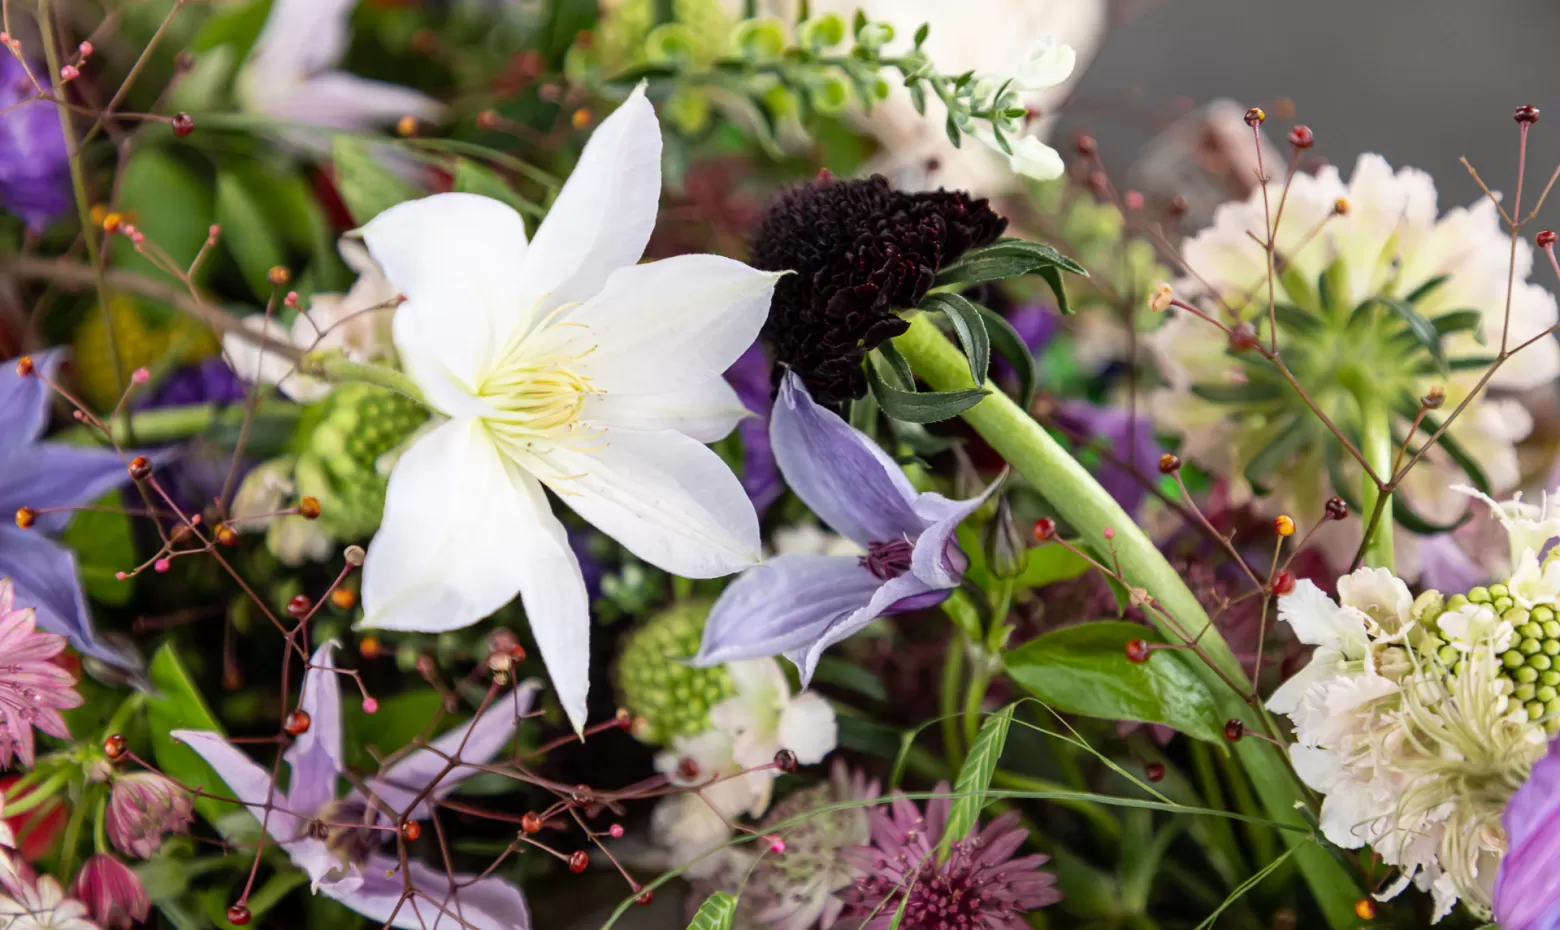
x=979 y=887
x=862 y=251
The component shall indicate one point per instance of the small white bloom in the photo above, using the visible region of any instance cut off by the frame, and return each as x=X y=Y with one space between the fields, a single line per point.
x=764 y=718
x=1533 y=584
x=42 y=905
x=357 y=324
x=1471 y=625
x=562 y=364
x=1529 y=527
x=1049 y=64
x=1029 y=156
x=291 y=74
x=698 y=821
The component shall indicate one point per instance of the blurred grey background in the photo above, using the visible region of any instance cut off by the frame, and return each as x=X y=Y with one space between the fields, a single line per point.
x=1420 y=81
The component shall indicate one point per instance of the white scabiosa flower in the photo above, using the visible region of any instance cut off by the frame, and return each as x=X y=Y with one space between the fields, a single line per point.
x=561 y=364
x=1363 y=268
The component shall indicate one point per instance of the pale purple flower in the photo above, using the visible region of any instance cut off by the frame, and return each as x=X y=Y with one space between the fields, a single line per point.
x=980 y=886
x=338 y=840
x=113 y=895
x=1527 y=886
x=47 y=475
x=799 y=605
x=34 y=162
x=750 y=377
x=33 y=690
x=142 y=808
x=1133 y=463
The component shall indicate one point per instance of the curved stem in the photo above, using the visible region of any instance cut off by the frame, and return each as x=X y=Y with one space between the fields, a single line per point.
x=1090 y=509
x=1378 y=451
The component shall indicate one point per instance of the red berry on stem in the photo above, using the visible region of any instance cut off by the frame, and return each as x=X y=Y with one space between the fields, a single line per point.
x=298 y=606
x=1545 y=238
x=578 y=861
x=1045 y=529
x=297 y=723
x=1137 y=651
x=1301 y=137
x=1234 y=729
x=1283 y=582
x=238 y=915
x=1155 y=771
x=183 y=124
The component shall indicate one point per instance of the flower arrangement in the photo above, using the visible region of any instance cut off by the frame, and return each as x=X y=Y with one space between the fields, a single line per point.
x=697 y=464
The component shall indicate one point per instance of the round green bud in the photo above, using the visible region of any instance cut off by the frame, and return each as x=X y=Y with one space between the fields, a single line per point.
x=1479 y=595
x=1552 y=647
x=1525 y=675
x=1543 y=613
x=1551 y=628
x=1540 y=662
x=667 y=697
x=1546 y=693
x=1525 y=692
x=1552 y=707
x=1498 y=591
x=1512 y=658
x=822 y=31
x=1456 y=601
x=1529 y=647
x=1447 y=655
x=829 y=93
x=1526 y=627
x=759 y=39
x=1550 y=677
x=1502 y=604
x=1535 y=710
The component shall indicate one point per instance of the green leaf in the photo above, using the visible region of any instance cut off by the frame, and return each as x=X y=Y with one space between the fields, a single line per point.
x=1424 y=289
x=1423 y=331
x=246 y=234
x=952 y=128
x=1460 y=321
x=1038 y=252
x=716 y=913
x=474 y=178
x=367 y=187
x=1296 y=318
x=1288 y=437
x=235 y=24
x=176 y=704
x=922 y=407
x=975 y=777
x=897 y=367
x=1252 y=392
x=922 y=33
x=1460 y=455
x=971 y=330
x=1043 y=565
x=918 y=98
x=103 y=546
x=1084 y=670
x=171 y=199
x=1053 y=279
x=1012 y=258
x=1010 y=345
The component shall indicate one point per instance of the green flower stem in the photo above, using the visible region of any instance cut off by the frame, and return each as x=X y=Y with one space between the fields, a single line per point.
x=38 y=795
x=337 y=369
x=1377 y=447
x=78 y=821
x=170 y=424
x=99 y=826
x=1080 y=500
x=953 y=667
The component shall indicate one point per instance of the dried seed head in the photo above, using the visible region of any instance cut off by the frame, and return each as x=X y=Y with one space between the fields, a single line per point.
x=1301 y=137
x=1433 y=398
x=114 y=747
x=410 y=830
x=183 y=124
x=279 y=276
x=309 y=508
x=354 y=555
x=531 y=822
x=25 y=517
x=1526 y=115
x=1337 y=508
x=298 y=606
x=1234 y=729
x=140 y=468
x=297 y=723
x=1243 y=338
x=1169 y=463
x=1341 y=206
x=406 y=126
x=24 y=366
x=580 y=118
x=1283 y=582
x=1255 y=117
x=1545 y=238
x=227 y=536
x=1283 y=525
x=785 y=761
x=1365 y=909
x=343 y=598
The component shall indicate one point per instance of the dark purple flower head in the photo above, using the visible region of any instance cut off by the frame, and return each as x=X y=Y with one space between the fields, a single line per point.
x=980 y=886
x=34 y=162
x=750 y=377
x=862 y=251
x=1527 y=886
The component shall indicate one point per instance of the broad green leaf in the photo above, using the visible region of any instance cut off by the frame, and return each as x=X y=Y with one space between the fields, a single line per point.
x=970 y=327
x=1010 y=345
x=235 y=24
x=474 y=178
x=103 y=546
x=716 y=913
x=367 y=187
x=975 y=777
x=399 y=720
x=246 y=233
x=922 y=407
x=168 y=193
x=176 y=704
x=1084 y=670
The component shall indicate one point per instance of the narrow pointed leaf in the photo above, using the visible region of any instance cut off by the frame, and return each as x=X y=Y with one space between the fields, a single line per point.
x=975 y=777
x=1010 y=345
x=716 y=913
x=367 y=187
x=921 y=407
x=969 y=327
x=904 y=378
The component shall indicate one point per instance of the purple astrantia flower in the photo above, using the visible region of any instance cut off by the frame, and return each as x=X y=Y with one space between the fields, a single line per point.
x=44 y=476
x=337 y=840
x=1130 y=441
x=978 y=887
x=1527 y=886
x=34 y=162
x=800 y=605
x=750 y=376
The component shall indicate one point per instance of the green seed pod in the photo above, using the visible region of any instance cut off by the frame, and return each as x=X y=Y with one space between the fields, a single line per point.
x=1535 y=710
x=1525 y=693
x=1546 y=693
x=1502 y=604
x=1529 y=629
x=1551 y=677
x=1457 y=601
x=667 y=697
x=1498 y=591
x=1529 y=647
x=1511 y=658
x=1543 y=613
x=1540 y=662
x=1525 y=675
x=1479 y=595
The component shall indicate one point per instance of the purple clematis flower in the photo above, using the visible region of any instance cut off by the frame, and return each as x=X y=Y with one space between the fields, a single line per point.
x=44 y=476
x=338 y=840
x=800 y=605
x=749 y=376
x=1527 y=886
x=34 y=162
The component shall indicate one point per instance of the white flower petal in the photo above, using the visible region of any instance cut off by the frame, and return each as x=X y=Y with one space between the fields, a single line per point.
x=301 y=37
x=557 y=606
x=671 y=500
x=1317 y=621
x=456 y=258
x=251 y=361
x=1323 y=665
x=808 y=728
x=1378 y=594
x=342 y=101
x=669 y=324
x=707 y=412
x=602 y=218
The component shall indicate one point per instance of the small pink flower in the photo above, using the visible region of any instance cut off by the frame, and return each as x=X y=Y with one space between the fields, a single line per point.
x=111 y=892
x=143 y=807
x=140 y=376
x=33 y=690
x=370 y=706
x=69 y=73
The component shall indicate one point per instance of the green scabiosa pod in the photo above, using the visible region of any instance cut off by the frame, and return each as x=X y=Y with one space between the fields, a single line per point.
x=359 y=425
x=668 y=697
x=1532 y=660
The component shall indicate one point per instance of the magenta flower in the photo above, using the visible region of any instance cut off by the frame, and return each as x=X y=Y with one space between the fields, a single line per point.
x=800 y=605
x=339 y=839
x=143 y=807
x=1527 y=886
x=33 y=690
x=113 y=895
x=979 y=887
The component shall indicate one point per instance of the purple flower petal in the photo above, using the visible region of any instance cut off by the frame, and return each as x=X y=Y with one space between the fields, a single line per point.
x=474 y=744
x=46 y=579
x=1527 y=887
x=468 y=904
x=892 y=593
x=749 y=375
x=247 y=782
x=52 y=474
x=34 y=161
x=838 y=472
x=315 y=756
x=1131 y=442
x=783 y=605
x=24 y=400
x=937 y=560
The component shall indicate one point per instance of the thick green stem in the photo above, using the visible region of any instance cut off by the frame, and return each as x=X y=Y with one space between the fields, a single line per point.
x=1080 y=500
x=1377 y=447
x=336 y=368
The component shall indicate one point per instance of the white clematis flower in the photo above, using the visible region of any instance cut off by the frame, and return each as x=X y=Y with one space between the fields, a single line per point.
x=561 y=364
x=291 y=74
x=764 y=718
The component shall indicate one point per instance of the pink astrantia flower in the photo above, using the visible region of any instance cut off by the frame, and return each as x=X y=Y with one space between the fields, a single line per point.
x=978 y=887
x=33 y=690
x=143 y=807
x=111 y=892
